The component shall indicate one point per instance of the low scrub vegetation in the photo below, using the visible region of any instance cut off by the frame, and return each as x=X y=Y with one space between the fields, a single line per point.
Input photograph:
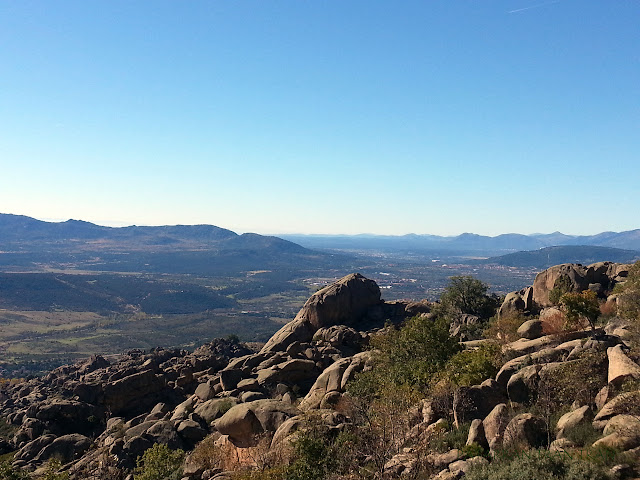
x=160 y=463
x=541 y=465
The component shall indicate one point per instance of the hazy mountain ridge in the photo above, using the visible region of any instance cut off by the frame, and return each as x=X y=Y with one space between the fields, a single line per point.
x=28 y=245
x=22 y=230
x=467 y=242
x=549 y=256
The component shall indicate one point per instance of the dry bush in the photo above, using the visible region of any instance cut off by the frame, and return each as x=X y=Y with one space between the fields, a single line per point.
x=505 y=328
x=579 y=380
x=106 y=468
x=262 y=457
x=207 y=454
x=384 y=427
x=608 y=309
x=217 y=452
x=554 y=323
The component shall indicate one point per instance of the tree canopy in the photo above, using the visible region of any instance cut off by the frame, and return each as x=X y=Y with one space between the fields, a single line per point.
x=467 y=295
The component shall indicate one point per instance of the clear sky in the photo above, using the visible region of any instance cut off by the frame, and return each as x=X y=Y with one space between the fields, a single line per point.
x=336 y=116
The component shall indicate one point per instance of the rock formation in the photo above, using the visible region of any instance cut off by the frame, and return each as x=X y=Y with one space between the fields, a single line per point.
x=102 y=410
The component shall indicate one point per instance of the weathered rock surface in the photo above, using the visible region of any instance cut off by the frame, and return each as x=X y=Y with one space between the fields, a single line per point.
x=495 y=424
x=345 y=302
x=243 y=423
x=66 y=448
x=621 y=367
x=531 y=329
x=627 y=403
x=116 y=409
x=526 y=431
x=517 y=302
x=476 y=434
x=334 y=379
x=576 y=278
x=624 y=424
x=572 y=419
x=477 y=401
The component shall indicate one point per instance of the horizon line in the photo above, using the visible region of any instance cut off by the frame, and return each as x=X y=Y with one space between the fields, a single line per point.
x=120 y=224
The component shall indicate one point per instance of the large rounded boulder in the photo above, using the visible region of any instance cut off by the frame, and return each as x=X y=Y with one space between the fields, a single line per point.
x=573 y=276
x=344 y=302
x=244 y=423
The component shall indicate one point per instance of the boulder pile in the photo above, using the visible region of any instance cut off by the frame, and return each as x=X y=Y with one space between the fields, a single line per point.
x=121 y=407
x=103 y=411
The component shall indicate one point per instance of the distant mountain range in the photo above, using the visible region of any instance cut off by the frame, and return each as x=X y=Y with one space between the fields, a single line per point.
x=549 y=256
x=25 y=242
x=22 y=230
x=466 y=243
x=28 y=244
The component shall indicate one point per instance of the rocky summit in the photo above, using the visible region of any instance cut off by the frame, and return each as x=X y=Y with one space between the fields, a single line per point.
x=99 y=416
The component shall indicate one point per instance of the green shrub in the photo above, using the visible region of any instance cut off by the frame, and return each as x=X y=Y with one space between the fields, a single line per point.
x=450 y=439
x=312 y=459
x=474 y=450
x=414 y=354
x=629 y=293
x=52 y=471
x=159 y=463
x=505 y=328
x=468 y=295
x=580 y=307
x=562 y=285
x=583 y=434
x=471 y=367
x=317 y=453
x=565 y=383
x=7 y=472
x=539 y=465
x=273 y=473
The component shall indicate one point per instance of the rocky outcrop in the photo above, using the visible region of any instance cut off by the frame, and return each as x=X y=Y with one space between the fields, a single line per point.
x=334 y=379
x=345 y=302
x=526 y=431
x=476 y=434
x=600 y=277
x=133 y=392
x=572 y=419
x=627 y=403
x=65 y=448
x=621 y=367
x=531 y=329
x=243 y=400
x=571 y=275
x=477 y=401
x=495 y=424
x=245 y=422
x=76 y=403
x=516 y=302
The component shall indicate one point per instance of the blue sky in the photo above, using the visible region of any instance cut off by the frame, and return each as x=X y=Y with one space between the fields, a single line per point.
x=334 y=116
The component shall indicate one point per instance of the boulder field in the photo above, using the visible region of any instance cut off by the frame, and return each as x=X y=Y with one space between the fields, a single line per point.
x=115 y=409
x=121 y=407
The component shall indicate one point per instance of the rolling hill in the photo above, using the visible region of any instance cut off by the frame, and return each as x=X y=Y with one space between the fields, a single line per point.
x=549 y=256
x=27 y=244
